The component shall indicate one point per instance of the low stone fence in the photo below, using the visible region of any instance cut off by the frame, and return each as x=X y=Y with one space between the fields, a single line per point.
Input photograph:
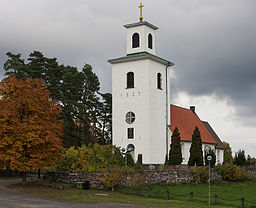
x=73 y=178
x=157 y=177
x=144 y=178
x=252 y=173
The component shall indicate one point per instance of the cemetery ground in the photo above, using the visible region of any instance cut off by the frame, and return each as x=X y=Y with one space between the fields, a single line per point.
x=229 y=194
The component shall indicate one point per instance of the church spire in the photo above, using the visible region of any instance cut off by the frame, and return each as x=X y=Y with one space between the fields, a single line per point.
x=141 y=6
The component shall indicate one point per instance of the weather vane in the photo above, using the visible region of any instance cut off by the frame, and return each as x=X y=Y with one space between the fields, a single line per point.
x=141 y=6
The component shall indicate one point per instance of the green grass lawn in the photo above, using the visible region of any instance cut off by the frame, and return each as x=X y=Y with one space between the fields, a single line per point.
x=179 y=194
x=229 y=194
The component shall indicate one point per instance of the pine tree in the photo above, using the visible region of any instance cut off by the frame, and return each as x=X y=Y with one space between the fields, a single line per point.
x=196 y=153
x=175 y=156
x=240 y=158
x=86 y=113
x=105 y=119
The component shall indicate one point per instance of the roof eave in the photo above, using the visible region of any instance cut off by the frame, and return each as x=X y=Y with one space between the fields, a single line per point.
x=141 y=23
x=184 y=140
x=140 y=56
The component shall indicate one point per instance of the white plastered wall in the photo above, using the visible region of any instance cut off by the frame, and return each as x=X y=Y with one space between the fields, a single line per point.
x=219 y=156
x=185 y=147
x=149 y=105
x=143 y=32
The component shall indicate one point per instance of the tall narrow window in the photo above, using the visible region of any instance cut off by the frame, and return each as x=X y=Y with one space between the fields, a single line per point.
x=159 y=81
x=130 y=133
x=130 y=80
x=135 y=40
x=150 y=41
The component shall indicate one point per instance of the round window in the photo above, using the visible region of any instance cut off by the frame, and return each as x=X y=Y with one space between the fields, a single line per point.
x=130 y=117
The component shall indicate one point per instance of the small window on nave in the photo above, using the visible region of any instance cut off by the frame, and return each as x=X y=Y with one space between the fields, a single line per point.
x=135 y=40
x=150 y=41
x=130 y=80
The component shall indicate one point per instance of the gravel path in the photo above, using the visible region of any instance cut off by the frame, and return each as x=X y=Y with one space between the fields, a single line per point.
x=10 y=198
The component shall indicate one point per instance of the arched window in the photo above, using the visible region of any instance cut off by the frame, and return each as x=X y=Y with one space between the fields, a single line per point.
x=130 y=80
x=135 y=40
x=159 y=81
x=150 y=41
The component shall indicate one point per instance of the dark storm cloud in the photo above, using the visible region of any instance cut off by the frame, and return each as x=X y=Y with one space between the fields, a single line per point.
x=216 y=53
x=212 y=43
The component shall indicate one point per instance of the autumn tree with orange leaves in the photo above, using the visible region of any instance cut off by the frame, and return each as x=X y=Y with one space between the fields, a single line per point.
x=30 y=131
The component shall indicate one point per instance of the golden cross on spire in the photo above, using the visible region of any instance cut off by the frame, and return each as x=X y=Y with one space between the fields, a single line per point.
x=141 y=6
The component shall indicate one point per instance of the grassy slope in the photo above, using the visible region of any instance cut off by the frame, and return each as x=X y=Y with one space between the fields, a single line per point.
x=229 y=193
x=232 y=191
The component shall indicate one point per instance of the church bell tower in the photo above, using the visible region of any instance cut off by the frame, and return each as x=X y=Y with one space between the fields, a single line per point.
x=140 y=90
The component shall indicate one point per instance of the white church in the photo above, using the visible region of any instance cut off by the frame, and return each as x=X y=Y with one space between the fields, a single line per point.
x=143 y=118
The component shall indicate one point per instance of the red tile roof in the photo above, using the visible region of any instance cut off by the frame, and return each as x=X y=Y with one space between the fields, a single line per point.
x=186 y=121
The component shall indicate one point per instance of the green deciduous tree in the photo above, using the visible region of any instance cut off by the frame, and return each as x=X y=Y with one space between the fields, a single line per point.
x=175 y=156
x=228 y=159
x=196 y=153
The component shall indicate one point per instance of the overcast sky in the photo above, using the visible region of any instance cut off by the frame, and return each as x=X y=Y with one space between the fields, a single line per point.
x=211 y=42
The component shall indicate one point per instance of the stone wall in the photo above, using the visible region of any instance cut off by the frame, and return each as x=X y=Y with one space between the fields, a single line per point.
x=157 y=177
x=72 y=178
x=252 y=174
x=144 y=178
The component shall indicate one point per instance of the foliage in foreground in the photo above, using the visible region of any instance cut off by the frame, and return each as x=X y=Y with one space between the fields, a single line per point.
x=29 y=129
x=230 y=172
x=97 y=158
x=112 y=177
x=91 y=158
x=200 y=175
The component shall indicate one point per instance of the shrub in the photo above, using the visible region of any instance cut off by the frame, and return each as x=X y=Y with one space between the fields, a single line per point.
x=112 y=177
x=128 y=170
x=230 y=172
x=204 y=174
x=200 y=174
x=93 y=158
x=130 y=161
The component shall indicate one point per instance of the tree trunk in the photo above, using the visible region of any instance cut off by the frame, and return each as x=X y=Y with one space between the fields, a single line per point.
x=103 y=134
x=24 y=178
